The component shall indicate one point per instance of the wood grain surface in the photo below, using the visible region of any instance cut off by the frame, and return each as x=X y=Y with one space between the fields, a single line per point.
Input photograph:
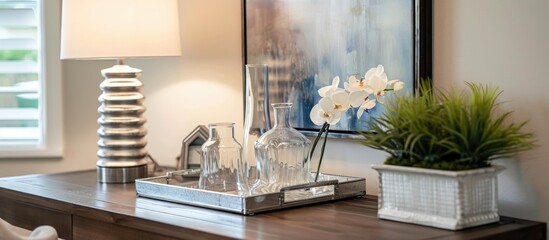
x=81 y=208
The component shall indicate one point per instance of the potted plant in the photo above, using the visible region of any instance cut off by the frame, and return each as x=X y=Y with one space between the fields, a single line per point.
x=441 y=146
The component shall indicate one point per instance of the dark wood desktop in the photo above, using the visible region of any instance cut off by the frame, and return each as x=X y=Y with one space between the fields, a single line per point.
x=80 y=208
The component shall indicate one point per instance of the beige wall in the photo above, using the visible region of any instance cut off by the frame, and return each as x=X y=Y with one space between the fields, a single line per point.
x=500 y=42
x=504 y=43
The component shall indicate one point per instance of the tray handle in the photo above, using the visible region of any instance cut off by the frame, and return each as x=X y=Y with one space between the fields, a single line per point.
x=285 y=191
x=184 y=173
x=310 y=185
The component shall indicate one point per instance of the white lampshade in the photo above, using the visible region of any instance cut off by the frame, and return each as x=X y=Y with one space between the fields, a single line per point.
x=119 y=29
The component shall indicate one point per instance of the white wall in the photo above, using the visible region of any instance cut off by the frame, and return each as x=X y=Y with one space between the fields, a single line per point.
x=500 y=42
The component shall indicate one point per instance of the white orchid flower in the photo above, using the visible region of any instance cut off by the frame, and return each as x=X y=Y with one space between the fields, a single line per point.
x=324 y=91
x=337 y=100
x=354 y=84
x=366 y=105
x=330 y=108
x=362 y=101
x=362 y=93
x=376 y=80
x=378 y=71
x=357 y=98
x=397 y=84
x=319 y=116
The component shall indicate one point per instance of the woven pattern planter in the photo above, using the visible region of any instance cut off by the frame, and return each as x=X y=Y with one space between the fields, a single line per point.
x=444 y=199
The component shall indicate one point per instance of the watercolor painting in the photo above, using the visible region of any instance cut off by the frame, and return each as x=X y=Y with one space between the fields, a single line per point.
x=307 y=43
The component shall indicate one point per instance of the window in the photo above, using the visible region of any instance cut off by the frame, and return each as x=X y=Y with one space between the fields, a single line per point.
x=30 y=119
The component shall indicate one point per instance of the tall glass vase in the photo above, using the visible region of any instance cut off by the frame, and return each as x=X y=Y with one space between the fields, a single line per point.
x=222 y=167
x=257 y=117
x=282 y=153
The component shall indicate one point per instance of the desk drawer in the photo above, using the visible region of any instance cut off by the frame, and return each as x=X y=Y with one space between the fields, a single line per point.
x=23 y=212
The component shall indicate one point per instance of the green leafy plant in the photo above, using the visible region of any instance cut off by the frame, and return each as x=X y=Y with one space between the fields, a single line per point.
x=447 y=130
x=19 y=55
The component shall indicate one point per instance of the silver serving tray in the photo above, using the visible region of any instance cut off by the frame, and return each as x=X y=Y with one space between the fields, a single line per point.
x=181 y=187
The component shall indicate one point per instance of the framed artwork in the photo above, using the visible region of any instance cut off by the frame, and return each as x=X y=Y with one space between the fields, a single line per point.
x=191 y=148
x=307 y=43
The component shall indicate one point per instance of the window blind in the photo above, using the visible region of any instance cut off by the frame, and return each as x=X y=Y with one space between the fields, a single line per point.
x=19 y=72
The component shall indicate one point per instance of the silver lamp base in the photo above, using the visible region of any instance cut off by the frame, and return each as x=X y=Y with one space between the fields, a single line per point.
x=120 y=174
x=122 y=153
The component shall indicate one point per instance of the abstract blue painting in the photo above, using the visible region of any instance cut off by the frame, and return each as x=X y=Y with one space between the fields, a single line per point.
x=306 y=43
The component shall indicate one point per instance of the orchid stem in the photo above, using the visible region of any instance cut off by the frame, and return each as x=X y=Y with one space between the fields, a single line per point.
x=316 y=140
x=326 y=128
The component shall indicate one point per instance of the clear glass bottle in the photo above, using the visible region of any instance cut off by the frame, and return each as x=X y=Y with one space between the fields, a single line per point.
x=257 y=119
x=282 y=153
x=222 y=167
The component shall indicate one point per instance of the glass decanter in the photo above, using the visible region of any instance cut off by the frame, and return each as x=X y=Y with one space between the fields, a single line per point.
x=282 y=153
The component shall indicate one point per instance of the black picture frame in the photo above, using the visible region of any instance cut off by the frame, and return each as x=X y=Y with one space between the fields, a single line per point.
x=421 y=41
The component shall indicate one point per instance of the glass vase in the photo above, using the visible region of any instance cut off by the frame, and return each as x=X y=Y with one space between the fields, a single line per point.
x=257 y=118
x=222 y=167
x=282 y=153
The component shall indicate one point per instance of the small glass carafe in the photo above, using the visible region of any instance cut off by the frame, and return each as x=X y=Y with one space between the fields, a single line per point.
x=222 y=167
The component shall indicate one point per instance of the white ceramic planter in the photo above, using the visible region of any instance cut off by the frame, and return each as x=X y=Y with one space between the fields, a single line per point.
x=444 y=199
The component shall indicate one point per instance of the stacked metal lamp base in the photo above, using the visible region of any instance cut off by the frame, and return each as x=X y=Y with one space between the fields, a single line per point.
x=122 y=144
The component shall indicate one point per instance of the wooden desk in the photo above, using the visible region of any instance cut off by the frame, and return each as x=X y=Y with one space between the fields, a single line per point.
x=80 y=208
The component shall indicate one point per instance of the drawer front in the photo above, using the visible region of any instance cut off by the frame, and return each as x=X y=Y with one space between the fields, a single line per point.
x=86 y=228
x=31 y=216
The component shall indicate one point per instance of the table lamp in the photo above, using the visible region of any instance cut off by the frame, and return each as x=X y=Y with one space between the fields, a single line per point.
x=119 y=29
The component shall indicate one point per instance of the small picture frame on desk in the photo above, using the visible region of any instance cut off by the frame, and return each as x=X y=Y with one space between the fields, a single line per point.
x=193 y=156
x=191 y=148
